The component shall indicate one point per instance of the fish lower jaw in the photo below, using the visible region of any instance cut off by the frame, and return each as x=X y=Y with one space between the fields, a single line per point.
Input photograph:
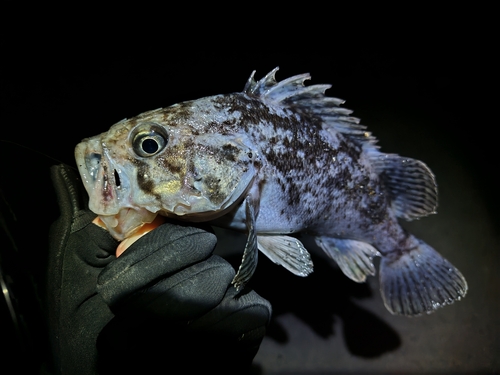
x=127 y=221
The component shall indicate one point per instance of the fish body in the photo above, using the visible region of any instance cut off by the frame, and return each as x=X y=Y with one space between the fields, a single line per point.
x=276 y=159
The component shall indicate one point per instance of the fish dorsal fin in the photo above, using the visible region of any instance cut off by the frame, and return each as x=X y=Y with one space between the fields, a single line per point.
x=292 y=93
x=411 y=185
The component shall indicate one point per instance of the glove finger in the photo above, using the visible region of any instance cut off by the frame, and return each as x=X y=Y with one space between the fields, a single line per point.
x=236 y=326
x=183 y=296
x=237 y=312
x=160 y=253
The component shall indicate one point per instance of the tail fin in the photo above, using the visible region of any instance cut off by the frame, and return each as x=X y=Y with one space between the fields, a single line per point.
x=419 y=281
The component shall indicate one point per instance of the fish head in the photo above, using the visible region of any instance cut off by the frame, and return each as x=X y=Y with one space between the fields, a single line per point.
x=163 y=163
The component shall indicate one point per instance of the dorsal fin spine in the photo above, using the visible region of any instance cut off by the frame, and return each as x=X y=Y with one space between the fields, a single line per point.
x=292 y=92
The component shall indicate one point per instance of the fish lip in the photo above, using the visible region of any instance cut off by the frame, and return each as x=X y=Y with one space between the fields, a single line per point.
x=107 y=198
x=98 y=176
x=80 y=155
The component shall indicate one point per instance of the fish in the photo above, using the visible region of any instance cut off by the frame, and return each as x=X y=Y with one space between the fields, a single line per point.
x=277 y=159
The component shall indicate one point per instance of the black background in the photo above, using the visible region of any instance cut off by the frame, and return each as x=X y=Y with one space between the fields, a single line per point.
x=70 y=73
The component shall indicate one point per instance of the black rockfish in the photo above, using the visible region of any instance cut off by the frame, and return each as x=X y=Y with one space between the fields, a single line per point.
x=275 y=159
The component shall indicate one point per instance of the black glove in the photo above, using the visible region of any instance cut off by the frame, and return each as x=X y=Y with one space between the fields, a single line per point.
x=166 y=303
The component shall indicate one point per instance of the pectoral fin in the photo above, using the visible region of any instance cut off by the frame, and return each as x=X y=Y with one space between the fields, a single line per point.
x=250 y=255
x=288 y=252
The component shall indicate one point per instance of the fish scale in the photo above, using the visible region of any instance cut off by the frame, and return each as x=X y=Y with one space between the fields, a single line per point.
x=276 y=159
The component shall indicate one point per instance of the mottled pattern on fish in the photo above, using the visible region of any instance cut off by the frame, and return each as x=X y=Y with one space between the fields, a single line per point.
x=275 y=159
x=306 y=178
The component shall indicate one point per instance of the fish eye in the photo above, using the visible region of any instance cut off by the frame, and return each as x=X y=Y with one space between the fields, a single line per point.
x=149 y=140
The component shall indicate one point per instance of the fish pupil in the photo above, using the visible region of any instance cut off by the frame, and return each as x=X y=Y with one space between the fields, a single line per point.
x=150 y=146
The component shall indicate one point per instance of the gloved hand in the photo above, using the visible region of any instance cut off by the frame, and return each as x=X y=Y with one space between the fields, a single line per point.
x=165 y=302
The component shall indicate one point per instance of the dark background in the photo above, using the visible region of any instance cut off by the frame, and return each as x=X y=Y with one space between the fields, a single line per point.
x=422 y=80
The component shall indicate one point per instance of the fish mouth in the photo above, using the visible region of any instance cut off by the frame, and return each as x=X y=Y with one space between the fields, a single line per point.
x=127 y=221
x=109 y=190
x=99 y=176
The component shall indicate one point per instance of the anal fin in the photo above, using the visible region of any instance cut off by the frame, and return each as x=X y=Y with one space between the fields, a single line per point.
x=288 y=252
x=355 y=258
